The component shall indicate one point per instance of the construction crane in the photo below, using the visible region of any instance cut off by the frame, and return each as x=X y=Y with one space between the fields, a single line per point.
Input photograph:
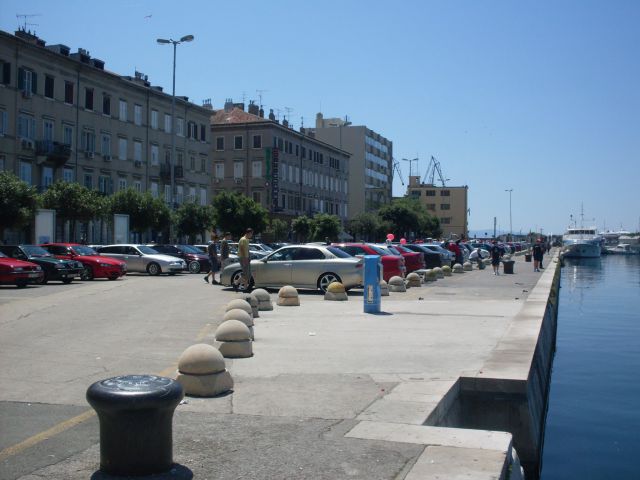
x=432 y=169
x=396 y=168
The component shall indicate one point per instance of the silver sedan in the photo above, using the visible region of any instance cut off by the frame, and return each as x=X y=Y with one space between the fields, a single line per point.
x=140 y=258
x=301 y=266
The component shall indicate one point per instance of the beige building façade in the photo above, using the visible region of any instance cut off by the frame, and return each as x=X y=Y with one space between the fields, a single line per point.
x=448 y=204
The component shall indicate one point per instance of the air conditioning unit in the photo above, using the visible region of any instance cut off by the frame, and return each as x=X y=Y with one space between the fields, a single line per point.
x=27 y=144
x=138 y=164
x=26 y=94
x=89 y=155
x=238 y=180
x=106 y=158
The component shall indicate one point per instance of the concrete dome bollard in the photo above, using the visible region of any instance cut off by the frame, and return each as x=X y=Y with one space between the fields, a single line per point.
x=288 y=297
x=438 y=272
x=234 y=339
x=241 y=304
x=384 y=289
x=241 y=315
x=202 y=371
x=264 y=299
x=457 y=268
x=467 y=266
x=414 y=280
x=396 y=284
x=430 y=276
x=446 y=271
x=336 y=292
x=253 y=301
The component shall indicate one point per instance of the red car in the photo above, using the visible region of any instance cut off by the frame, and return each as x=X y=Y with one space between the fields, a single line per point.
x=95 y=265
x=413 y=260
x=18 y=272
x=392 y=265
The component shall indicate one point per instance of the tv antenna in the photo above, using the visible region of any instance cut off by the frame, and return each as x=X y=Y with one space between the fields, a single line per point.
x=289 y=110
x=432 y=170
x=260 y=92
x=25 y=17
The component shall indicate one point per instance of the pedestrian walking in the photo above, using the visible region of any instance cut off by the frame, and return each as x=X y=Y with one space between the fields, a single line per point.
x=224 y=250
x=496 y=254
x=214 y=263
x=537 y=256
x=245 y=260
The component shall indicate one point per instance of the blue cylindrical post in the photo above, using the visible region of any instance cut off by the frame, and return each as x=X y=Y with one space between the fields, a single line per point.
x=371 y=284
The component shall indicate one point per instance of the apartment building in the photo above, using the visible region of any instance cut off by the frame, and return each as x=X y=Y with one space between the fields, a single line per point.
x=64 y=117
x=286 y=171
x=448 y=204
x=370 y=166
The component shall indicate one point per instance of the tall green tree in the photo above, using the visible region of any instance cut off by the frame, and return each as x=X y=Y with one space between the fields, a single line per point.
x=145 y=212
x=192 y=219
x=402 y=218
x=18 y=202
x=365 y=226
x=279 y=229
x=302 y=228
x=73 y=203
x=234 y=212
x=325 y=226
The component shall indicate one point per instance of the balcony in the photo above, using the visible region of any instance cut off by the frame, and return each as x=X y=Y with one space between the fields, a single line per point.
x=56 y=152
x=165 y=171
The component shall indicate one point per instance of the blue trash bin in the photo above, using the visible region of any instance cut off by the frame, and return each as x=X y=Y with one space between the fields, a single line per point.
x=372 y=269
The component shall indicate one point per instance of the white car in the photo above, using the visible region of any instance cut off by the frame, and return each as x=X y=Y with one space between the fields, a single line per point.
x=141 y=258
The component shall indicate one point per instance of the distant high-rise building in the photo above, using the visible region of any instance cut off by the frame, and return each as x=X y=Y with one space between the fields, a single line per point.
x=370 y=166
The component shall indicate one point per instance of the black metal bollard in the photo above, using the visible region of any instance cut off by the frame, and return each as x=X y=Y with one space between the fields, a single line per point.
x=135 y=414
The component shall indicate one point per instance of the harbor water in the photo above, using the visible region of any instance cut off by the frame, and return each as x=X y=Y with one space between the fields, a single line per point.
x=593 y=420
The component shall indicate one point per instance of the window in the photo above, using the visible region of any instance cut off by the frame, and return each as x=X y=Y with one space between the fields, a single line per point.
x=430 y=193
x=122 y=148
x=137 y=186
x=67 y=174
x=167 y=123
x=238 y=170
x=256 y=169
x=203 y=196
x=67 y=134
x=203 y=132
x=5 y=75
x=167 y=193
x=445 y=206
x=47 y=177
x=445 y=220
x=192 y=162
x=4 y=122
x=444 y=193
x=27 y=81
x=219 y=143
x=203 y=164
x=68 y=93
x=104 y=184
x=431 y=206
x=89 y=141
x=106 y=144
x=26 y=126
x=155 y=160
x=257 y=141
x=137 y=114
x=25 y=172
x=154 y=189
x=47 y=130
x=88 y=98
x=180 y=127
x=48 y=86
x=257 y=197
x=179 y=194
x=88 y=181
x=219 y=170
x=154 y=119
x=123 y=110
x=192 y=194
x=122 y=183
x=179 y=159
x=137 y=151
x=237 y=142
x=106 y=104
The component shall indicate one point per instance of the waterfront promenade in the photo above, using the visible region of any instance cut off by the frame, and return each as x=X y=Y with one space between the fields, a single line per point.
x=330 y=392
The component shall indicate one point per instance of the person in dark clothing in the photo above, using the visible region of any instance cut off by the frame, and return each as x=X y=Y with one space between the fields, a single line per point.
x=212 y=251
x=496 y=254
x=537 y=256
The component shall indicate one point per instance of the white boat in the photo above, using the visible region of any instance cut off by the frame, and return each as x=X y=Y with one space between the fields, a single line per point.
x=620 y=249
x=581 y=243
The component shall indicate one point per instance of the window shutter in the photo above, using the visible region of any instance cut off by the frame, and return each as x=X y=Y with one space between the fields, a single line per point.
x=21 y=78
x=34 y=82
x=33 y=128
x=6 y=73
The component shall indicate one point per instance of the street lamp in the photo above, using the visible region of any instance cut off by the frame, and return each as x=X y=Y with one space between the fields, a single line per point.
x=175 y=43
x=510 y=222
x=410 y=160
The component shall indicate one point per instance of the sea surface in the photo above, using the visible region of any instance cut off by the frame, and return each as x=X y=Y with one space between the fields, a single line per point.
x=593 y=420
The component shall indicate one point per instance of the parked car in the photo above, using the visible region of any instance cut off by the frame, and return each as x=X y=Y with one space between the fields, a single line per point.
x=392 y=265
x=18 y=272
x=302 y=266
x=53 y=268
x=94 y=265
x=196 y=260
x=140 y=258
x=445 y=255
x=412 y=260
x=431 y=259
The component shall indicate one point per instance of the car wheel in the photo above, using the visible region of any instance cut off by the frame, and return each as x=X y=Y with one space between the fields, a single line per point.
x=87 y=273
x=44 y=279
x=113 y=277
x=326 y=279
x=67 y=281
x=194 y=267
x=154 y=269
x=235 y=282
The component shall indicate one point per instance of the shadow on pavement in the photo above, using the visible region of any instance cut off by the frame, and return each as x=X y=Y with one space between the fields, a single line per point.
x=177 y=472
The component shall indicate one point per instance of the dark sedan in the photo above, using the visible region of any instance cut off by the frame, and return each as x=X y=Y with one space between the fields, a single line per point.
x=431 y=259
x=196 y=260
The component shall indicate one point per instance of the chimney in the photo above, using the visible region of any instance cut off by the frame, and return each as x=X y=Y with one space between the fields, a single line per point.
x=272 y=116
x=29 y=37
x=319 y=120
x=207 y=104
x=285 y=122
x=59 y=48
x=253 y=108
x=99 y=64
x=302 y=130
x=261 y=113
x=228 y=105
x=82 y=56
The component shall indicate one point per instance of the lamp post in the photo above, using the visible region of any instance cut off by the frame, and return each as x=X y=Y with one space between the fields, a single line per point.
x=410 y=160
x=510 y=222
x=175 y=43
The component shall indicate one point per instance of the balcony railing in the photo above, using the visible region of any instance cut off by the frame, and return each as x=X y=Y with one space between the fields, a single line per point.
x=165 y=171
x=56 y=152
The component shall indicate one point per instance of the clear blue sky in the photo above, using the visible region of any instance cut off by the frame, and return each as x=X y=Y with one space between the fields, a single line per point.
x=542 y=97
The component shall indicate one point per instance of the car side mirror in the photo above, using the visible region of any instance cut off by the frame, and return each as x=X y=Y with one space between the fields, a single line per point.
x=263 y=260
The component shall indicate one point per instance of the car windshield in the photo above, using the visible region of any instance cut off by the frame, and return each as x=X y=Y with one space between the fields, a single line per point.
x=146 y=250
x=338 y=253
x=189 y=249
x=378 y=250
x=83 y=250
x=402 y=249
x=393 y=250
x=2 y=255
x=35 y=251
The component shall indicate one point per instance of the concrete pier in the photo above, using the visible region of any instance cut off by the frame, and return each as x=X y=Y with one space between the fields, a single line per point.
x=444 y=383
